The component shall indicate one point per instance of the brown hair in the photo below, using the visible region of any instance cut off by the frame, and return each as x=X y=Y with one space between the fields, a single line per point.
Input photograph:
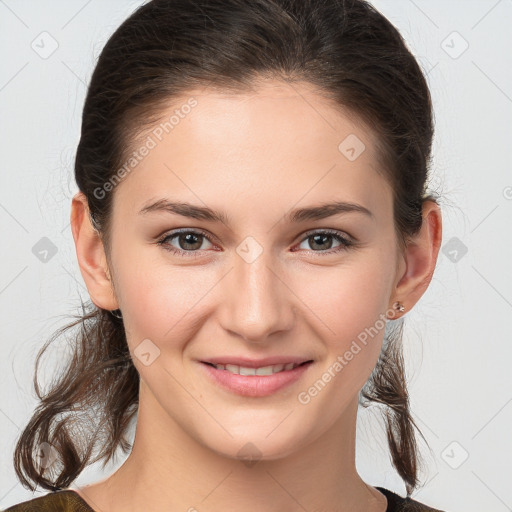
x=356 y=58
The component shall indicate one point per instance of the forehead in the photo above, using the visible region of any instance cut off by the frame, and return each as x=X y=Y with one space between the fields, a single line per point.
x=278 y=142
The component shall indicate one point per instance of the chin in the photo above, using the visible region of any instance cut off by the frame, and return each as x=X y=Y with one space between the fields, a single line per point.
x=254 y=441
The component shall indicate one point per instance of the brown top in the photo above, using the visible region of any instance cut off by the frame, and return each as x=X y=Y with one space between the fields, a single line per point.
x=70 y=501
x=59 y=501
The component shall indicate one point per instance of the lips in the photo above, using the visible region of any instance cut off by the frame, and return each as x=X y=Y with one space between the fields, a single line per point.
x=255 y=377
x=248 y=381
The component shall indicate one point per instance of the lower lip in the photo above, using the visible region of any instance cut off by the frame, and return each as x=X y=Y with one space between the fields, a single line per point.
x=255 y=385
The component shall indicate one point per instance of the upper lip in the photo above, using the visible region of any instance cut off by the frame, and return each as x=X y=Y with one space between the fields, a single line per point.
x=255 y=363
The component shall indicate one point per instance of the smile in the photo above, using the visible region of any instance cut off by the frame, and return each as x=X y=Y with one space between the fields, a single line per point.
x=258 y=381
x=264 y=370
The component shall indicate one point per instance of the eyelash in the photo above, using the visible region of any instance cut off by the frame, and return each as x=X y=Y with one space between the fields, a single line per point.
x=345 y=243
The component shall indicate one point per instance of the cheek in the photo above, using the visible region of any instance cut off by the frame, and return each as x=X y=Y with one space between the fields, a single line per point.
x=346 y=300
x=160 y=301
x=348 y=305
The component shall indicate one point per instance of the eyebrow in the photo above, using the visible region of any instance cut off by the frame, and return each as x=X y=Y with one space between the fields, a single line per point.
x=298 y=215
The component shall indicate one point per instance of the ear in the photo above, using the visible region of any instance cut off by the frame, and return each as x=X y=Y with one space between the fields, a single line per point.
x=420 y=258
x=91 y=255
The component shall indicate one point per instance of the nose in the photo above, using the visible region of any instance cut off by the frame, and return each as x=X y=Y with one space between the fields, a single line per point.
x=256 y=300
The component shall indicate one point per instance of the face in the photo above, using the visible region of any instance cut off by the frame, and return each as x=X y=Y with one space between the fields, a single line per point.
x=265 y=280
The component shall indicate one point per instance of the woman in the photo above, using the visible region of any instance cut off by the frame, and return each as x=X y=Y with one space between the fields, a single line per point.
x=252 y=225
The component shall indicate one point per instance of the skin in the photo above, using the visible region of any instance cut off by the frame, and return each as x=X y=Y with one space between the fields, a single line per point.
x=255 y=157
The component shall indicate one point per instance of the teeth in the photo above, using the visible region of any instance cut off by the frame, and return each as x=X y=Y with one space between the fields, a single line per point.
x=264 y=370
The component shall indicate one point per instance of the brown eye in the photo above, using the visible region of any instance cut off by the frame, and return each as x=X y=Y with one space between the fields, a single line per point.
x=189 y=241
x=186 y=242
x=322 y=241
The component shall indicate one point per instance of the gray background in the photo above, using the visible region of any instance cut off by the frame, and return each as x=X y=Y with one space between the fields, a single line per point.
x=458 y=343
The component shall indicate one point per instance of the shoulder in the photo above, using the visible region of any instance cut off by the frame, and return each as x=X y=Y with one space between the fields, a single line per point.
x=60 y=501
x=398 y=504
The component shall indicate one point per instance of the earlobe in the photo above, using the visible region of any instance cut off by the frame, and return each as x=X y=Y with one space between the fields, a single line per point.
x=91 y=255
x=420 y=257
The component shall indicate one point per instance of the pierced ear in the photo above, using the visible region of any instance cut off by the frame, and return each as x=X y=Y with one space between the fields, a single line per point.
x=91 y=256
x=420 y=257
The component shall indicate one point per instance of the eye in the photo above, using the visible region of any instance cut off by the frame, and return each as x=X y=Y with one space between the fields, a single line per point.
x=323 y=240
x=189 y=242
